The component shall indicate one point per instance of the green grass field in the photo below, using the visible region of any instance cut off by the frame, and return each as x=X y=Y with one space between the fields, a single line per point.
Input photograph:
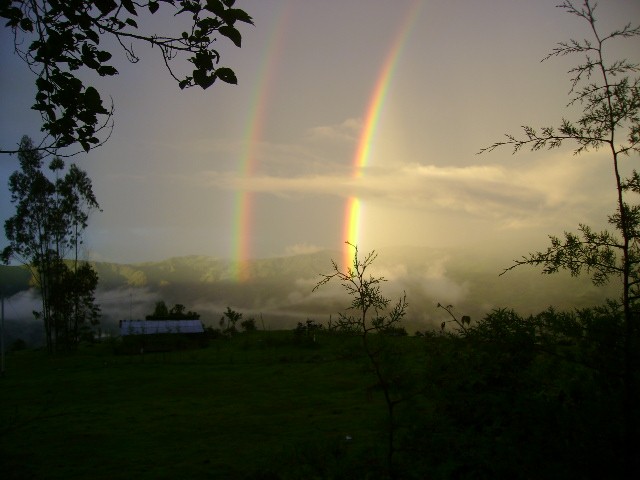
x=497 y=402
x=240 y=408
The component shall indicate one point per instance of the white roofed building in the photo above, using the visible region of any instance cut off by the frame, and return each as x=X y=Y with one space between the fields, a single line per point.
x=154 y=327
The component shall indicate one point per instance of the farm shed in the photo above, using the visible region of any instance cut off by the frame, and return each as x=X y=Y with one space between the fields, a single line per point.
x=153 y=327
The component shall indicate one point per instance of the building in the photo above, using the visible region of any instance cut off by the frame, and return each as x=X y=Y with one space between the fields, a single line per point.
x=154 y=327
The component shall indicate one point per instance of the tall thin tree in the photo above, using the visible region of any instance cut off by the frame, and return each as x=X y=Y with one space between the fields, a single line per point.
x=609 y=93
x=46 y=228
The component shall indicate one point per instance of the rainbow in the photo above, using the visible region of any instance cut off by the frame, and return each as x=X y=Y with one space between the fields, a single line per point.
x=354 y=208
x=244 y=201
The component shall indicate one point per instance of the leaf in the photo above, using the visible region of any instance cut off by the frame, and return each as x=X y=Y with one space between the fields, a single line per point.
x=201 y=78
x=103 y=56
x=44 y=85
x=128 y=4
x=241 y=15
x=93 y=35
x=153 y=7
x=92 y=99
x=105 y=6
x=107 y=70
x=132 y=22
x=226 y=75
x=26 y=25
x=232 y=34
x=216 y=7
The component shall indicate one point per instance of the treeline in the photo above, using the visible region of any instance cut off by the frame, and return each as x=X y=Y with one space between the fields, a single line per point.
x=177 y=312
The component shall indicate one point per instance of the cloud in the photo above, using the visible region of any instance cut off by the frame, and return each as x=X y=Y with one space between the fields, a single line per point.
x=508 y=193
x=438 y=285
x=125 y=303
x=347 y=131
x=23 y=303
x=301 y=249
x=391 y=273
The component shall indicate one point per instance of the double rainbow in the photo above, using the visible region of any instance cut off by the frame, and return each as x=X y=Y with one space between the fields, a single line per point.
x=244 y=203
x=354 y=208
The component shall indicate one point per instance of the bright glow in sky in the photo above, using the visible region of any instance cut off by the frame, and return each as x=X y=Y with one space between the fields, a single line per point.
x=266 y=167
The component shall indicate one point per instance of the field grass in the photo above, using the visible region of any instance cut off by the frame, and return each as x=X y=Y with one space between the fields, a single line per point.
x=239 y=408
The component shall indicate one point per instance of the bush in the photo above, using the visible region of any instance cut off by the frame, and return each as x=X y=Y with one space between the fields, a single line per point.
x=513 y=395
x=305 y=332
x=18 y=345
x=248 y=325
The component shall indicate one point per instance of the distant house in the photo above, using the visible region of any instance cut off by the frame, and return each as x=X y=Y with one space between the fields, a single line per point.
x=153 y=327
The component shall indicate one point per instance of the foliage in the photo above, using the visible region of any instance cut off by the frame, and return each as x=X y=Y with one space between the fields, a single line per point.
x=249 y=325
x=228 y=321
x=305 y=333
x=177 y=312
x=73 y=301
x=465 y=319
x=61 y=41
x=371 y=307
x=47 y=229
x=372 y=315
x=610 y=120
x=609 y=94
x=161 y=311
x=514 y=397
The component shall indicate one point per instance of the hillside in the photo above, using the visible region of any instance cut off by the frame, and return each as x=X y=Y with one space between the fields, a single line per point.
x=279 y=291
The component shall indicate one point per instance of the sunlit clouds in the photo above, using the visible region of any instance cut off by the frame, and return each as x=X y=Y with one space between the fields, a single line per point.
x=544 y=187
x=346 y=131
x=457 y=77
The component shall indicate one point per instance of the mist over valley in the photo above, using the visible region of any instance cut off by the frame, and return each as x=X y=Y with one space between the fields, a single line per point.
x=279 y=291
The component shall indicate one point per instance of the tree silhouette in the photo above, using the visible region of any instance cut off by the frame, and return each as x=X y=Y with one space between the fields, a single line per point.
x=47 y=229
x=61 y=40
x=373 y=315
x=609 y=95
x=177 y=312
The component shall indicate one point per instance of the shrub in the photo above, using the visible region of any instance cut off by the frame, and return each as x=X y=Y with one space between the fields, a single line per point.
x=248 y=325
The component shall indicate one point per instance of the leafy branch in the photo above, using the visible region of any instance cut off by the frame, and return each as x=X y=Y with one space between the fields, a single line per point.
x=57 y=38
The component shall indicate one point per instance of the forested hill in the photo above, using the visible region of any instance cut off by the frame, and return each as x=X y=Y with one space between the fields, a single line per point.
x=279 y=289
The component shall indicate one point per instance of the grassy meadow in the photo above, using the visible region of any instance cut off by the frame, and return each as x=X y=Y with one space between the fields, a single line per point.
x=239 y=408
x=506 y=397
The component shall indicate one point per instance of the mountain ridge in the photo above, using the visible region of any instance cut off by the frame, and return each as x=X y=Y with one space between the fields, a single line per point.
x=279 y=290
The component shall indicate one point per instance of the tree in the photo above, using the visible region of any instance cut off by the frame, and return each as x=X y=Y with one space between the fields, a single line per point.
x=45 y=231
x=161 y=312
x=249 y=325
x=230 y=317
x=609 y=96
x=177 y=312
x=373 y=315
x=61 y=41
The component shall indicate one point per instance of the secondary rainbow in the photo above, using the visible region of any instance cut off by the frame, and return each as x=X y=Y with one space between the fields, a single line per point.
x=244 y=202
x=354 y=207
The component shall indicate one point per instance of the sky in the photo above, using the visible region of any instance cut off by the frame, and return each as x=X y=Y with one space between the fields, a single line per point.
x=352 y=120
